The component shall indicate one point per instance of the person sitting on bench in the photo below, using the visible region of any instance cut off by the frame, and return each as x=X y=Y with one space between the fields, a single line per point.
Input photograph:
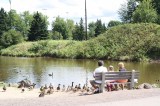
x=95 y=83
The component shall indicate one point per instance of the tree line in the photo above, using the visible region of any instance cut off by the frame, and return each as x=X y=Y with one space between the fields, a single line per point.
x=16 y=28
x=33 y=27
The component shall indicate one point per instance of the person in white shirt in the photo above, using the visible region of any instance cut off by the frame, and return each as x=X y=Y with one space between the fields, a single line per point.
x=100 y=68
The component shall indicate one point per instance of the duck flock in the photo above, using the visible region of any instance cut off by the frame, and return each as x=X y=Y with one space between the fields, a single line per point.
x=47 y=90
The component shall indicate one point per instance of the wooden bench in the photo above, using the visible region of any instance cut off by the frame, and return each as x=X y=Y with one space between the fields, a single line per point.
x=130 y=75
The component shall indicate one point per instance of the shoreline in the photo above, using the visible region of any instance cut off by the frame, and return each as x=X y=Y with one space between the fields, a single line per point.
x=14 y=97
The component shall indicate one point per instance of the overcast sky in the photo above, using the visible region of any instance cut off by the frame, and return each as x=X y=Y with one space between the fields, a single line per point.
x=105 y=10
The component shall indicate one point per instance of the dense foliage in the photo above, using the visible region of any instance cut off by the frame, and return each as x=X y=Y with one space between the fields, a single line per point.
x=124 y=42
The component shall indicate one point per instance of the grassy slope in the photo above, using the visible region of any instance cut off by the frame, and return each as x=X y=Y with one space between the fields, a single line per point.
x=125 y=42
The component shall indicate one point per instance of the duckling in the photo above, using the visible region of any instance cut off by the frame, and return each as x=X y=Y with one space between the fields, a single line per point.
x=4 y=88
x=63 y=89
x=58 y=88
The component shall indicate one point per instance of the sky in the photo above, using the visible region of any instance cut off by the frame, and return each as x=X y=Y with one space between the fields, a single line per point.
x=106 y=10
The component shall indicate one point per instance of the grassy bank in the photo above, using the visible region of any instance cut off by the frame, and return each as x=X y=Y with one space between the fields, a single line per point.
x=137 y=42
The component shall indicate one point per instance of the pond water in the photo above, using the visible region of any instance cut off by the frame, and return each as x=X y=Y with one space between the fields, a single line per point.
x=65 y=71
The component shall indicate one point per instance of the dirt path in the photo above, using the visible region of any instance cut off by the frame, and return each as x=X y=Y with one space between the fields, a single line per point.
x=13 y=97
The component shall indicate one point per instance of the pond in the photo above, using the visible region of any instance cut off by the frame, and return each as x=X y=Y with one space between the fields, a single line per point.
x=65 y=71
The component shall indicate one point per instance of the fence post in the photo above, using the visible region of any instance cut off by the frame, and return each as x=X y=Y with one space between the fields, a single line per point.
x=103 y=82
x=132 y=79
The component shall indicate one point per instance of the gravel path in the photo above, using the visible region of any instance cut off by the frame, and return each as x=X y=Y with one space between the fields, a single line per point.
x=115 y=98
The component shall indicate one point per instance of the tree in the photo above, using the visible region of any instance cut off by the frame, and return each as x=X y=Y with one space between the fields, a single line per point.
x=100 y=28
x=11 y=37
x=38 y=30
x=26 y=18
x=79 y=33
x=70 y=27
x=145 y=13
x=91 y=27
x=60 y=26
x=126 y=11
x=113 y=23
x=4 y=21
x=156 y=5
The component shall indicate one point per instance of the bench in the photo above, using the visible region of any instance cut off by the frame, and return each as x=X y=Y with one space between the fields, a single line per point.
x=104 y=76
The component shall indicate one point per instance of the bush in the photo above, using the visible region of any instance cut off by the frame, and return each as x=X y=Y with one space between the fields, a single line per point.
x=11 y=37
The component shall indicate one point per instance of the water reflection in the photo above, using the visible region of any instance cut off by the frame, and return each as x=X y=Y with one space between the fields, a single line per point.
x=14 y=69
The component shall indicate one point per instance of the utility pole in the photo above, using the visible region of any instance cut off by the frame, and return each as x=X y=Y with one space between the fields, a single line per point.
x=86 y=38
x=10 y=15
x=85 y=20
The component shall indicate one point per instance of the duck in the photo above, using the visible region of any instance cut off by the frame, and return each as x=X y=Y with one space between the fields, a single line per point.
x=84 y=87
x=50 y=91
x=41 y=88
x=51 y=86
x=72 y=86
x=63 y=89
x=51 y=74
x=22 y=90
x=157 y=81
x=4 y=88
x=68 y=88
x=58 y=88
x=42 y=93
x=79 y=86
x=45 y=87
x=75 y=89
x=31 y=86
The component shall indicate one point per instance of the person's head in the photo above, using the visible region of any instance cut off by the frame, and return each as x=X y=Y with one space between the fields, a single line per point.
x=111 y=68
x=121 y=65
x=100 y=63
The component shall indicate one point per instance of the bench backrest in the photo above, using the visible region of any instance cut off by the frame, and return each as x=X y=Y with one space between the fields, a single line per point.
x=118 y=75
